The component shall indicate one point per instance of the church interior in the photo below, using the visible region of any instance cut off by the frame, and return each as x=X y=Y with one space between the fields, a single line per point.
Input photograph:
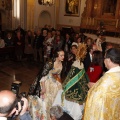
x=88 y=17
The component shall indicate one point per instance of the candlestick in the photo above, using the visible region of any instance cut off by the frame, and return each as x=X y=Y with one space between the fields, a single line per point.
x=93 y=21
x=90 y=21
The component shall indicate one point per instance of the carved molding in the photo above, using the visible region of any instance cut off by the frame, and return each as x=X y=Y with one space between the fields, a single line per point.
x=75 y=28
x=95 y=8
x=93 y=14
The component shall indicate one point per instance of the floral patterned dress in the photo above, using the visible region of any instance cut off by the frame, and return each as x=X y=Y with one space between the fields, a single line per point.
x=39 y=107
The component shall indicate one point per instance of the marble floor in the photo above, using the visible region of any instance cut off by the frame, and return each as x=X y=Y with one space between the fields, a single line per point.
x=21 y=71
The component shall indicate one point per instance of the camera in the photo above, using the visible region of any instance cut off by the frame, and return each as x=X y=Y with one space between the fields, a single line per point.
x=18 y=99
x=15 y=87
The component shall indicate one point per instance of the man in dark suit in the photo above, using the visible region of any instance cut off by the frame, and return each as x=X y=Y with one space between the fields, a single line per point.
x=38 y=46
x=88 y=59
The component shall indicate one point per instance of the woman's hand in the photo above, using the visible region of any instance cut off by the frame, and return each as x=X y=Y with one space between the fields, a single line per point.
x=43 y=91
x=90 y=84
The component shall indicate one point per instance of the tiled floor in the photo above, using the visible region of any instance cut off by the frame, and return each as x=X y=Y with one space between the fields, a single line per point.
x=22 y=71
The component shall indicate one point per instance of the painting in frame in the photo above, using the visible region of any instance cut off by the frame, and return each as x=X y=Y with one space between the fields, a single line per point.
x=72 y=8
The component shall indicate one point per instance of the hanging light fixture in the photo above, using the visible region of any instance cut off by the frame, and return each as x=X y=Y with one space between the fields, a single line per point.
x=46 y=2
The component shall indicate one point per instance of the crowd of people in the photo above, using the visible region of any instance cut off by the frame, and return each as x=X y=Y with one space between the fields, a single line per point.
x=79 y=79
x=39 y=45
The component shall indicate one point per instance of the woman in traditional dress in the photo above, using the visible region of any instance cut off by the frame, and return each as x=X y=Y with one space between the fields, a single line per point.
x=75 y=86
x=44 y=89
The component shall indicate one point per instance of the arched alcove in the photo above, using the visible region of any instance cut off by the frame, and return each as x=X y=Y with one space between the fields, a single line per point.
x=44 y=18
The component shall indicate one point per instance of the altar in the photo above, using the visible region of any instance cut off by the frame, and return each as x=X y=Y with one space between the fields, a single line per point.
x=115 y=40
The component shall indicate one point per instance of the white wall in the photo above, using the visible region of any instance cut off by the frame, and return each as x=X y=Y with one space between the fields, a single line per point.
x=37 y=13
x=70 y=20
x=3 y=17
x=19 y=13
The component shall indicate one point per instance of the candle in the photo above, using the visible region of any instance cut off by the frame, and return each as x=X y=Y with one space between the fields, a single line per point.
x=14 y=77
x=87 y=21
x=116 y=23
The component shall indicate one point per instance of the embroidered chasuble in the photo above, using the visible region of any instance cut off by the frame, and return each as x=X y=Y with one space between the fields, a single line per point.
x=103 y=100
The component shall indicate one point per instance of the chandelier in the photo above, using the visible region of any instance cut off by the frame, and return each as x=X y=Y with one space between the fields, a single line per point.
x=46 y=2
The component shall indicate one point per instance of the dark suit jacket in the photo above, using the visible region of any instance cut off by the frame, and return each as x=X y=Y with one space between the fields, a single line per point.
x=38 y=42
x=87 y=61
x=69 y=43
x=103 y=45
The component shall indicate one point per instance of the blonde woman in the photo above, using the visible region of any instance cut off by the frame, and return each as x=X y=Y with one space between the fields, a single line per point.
x=75 y=87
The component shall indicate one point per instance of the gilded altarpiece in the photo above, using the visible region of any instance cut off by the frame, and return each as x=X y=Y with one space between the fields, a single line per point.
x=97 y=11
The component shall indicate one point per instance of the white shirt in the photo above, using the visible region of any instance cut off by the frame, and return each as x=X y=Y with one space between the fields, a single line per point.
x=90 y=57
x=3 y=118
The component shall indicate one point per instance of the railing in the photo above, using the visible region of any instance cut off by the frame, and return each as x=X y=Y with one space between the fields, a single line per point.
x=7 y=52
x=91 y=25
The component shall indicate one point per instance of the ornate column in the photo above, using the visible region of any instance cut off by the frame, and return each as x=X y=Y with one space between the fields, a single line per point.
x=15 y=13
x=57 y=4
x=30 y=14
x=8 y=8
x=23 y=13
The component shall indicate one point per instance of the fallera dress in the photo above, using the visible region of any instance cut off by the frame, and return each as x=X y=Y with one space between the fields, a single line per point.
x=40 y=106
